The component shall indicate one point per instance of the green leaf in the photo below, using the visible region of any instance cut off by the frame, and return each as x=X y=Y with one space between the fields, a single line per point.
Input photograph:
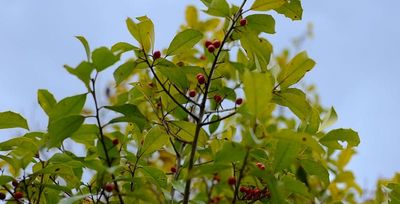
x=295 y=70
x=219 y=8
x=85 y=45
x=46 y=100
x=68 y=106
x=261 y=23
x=143 y=32
x=73 y=199
x=314 y=121
x=295 y=100
x=122 y=47
x=332 y=138
x=230 y=152
x=295 y=186
x=213 y=127
x=18 y=142
x=10 y=119
x=175 y=74
x=124 y=71
x=316 y=169
x=156 y=175
x=258 y=91
x=102 y=58
x=131 y=114
x=86 y=134
x=329 y=119
x=63 y=128
x=265 y=5
x=258 y=50
x=184 y=41
x=291 y=9
x=154 y=140
x=299 y=137
x=83 y=72
x=184 y=130
x=285 y=154
x=5 y=179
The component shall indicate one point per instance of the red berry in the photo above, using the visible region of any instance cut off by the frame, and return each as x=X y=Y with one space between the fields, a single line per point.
x=173 y=169
x=200 y=78
x=192 y=93
x=207 y=43
x=109 y=187
x=156 y=54
x=202 y=57
x=216 y=178
x=18 y=195
x=218 y=98
x=115 y=141
x=239 y=101
x=262 y=167
x=232 y=180
x=2 y=196
x=216 y=43
x=243 y=189
x=243 y=22
x=15 y=183
x=211 y=48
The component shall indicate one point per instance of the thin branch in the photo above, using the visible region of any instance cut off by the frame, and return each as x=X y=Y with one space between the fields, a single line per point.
x=219 y=119
x=235 y=195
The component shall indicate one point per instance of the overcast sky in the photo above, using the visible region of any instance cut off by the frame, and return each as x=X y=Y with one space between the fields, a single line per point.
x=356 y=47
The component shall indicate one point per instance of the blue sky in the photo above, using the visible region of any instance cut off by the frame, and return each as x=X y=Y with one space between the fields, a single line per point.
x=356 y=46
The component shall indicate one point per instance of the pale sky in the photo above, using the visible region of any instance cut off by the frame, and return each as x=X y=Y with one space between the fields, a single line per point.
x=356 y=47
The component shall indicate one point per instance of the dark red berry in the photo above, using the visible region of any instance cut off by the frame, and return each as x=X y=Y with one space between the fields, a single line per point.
x=207 y=43
x=239 y=101
x=243 y=22
x=115 y=141
x=232 y=180
x=173 y=169
x=216 y=43
x=156 y=54
x=218 y=98
x=2 y=196
x=211 y=48
x=243 y=189
x=18 y=195
x=260 y=166
x=216 y=178
x=109 y=187
x=192 y=93
x=200 y=78
x=15 y=183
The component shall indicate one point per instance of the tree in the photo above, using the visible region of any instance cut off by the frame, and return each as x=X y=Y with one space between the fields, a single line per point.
x=214 y=118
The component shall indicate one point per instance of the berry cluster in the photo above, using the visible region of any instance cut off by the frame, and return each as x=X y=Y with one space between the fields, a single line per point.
x=215 y=199
x=254 y=193
x=17 y=194
x=212 y=45
x=260 y=166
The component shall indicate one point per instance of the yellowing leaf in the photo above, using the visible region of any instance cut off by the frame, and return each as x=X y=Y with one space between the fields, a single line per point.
x=258 y=91
x=183 y=41
x=295 y=70
x=291 y=9
x=265 y=5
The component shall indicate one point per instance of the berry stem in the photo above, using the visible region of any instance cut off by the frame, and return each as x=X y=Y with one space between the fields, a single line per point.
x=199 y=119
x=235 y=195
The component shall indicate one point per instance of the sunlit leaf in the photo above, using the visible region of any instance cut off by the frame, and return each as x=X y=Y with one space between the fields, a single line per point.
x=10 y=119
x=332 y=138
x=183 y=41
x=295 y=70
